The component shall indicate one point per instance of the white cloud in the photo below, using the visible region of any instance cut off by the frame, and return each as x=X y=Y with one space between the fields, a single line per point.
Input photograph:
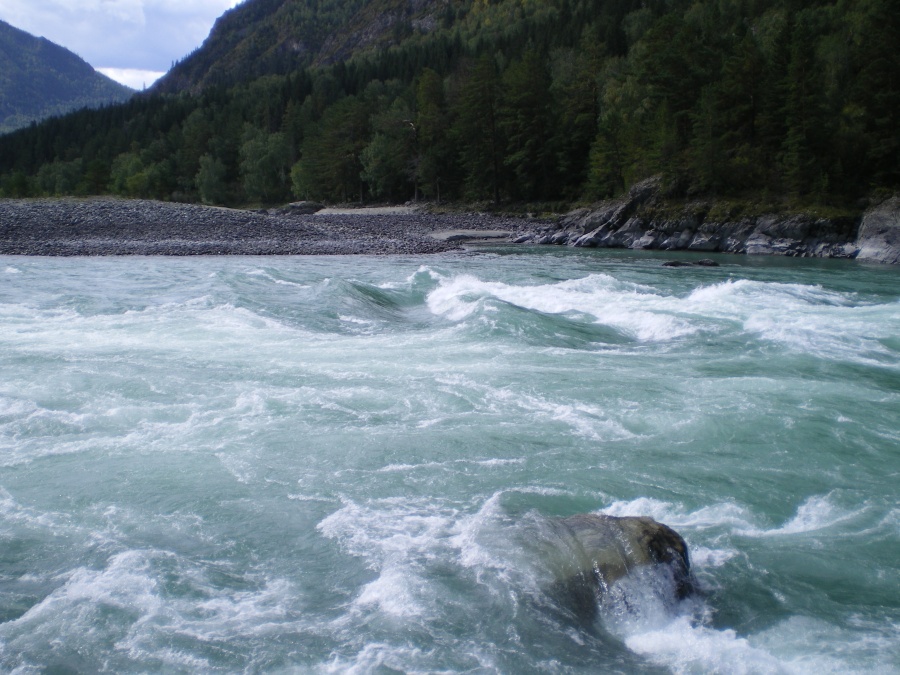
x=130 y=11
x=146 y=35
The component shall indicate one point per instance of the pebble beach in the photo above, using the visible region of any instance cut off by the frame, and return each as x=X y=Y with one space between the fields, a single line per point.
x=107 y=226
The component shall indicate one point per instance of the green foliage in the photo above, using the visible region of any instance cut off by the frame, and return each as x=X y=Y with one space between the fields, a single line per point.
x=330 y=166
x=525 y=100
x=265 y=164
x=16 y=185
x=59 y=178
x=211 y=183
x=527 y=123
x=389 y=159
x=476 y=132
x=434 y=161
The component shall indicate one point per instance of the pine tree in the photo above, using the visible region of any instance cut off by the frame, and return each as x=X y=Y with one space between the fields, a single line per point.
x=434 y=154
x=526 y=121
x=476 y=131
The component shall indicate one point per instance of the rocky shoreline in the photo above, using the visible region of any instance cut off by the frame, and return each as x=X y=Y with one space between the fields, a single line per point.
x=107 y=226
x=641 y=220
x=110 y=226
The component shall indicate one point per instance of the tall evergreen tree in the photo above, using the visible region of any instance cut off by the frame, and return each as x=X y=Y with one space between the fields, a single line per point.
x=434 y=159
x=477 y=130
x=526 y=120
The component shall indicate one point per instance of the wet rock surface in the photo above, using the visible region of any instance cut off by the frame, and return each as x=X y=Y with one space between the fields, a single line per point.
x=596 y=552
x=879 y=233
x=104 y=226
x=634 y=222
x=703 y=262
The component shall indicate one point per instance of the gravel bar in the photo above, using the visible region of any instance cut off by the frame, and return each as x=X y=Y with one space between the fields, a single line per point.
x=108 y=226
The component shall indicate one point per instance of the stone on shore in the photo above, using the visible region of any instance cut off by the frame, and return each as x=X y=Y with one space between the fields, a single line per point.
x=470 y=235
x=644 y=220
x=304 y=208
x=110 y=226
x=879 y=233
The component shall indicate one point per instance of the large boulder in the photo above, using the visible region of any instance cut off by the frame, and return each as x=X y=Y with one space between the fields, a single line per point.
x=879 y=233
x=304 y=208
x=596 y=551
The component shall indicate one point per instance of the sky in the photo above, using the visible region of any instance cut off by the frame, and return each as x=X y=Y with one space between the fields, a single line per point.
x=132 y=41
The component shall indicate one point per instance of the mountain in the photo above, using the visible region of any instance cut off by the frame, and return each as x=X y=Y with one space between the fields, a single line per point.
x=39 y=78
x=264 y=37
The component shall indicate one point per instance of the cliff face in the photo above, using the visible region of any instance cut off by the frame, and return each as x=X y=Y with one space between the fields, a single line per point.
x=636 y=221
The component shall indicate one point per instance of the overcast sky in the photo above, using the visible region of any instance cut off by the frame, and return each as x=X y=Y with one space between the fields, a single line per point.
x=132 y=41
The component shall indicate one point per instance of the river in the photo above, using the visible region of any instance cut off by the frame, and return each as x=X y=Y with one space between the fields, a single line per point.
x=343 y=464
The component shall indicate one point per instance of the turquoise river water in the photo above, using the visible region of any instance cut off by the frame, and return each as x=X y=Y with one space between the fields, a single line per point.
x=348 y=464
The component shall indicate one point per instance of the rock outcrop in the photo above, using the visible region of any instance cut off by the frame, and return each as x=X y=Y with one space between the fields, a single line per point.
x=304 y=208
x=596 y=551
x=879 y=234
x=640 y=220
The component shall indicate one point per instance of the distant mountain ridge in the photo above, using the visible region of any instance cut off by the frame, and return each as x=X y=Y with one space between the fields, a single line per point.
x=39 y=79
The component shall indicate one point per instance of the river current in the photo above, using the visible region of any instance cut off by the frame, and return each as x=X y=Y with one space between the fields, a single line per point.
x=345 y=464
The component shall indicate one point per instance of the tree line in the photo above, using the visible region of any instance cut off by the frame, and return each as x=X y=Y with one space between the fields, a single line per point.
x=522 y=100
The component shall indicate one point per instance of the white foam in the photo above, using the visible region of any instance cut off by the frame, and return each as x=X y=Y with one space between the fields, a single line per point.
x=706 y=558
x=269 y=277
x=680 y=638
x=378 y=657
x=307 y=498
x=809 y=645
x=388 y=528
x=405 y=468
x=361 y=322
x=148 y=620
x=635 y=309
x=396 y=592
x=803 y=317
x=424 y=273
x=714 y=516
x=814 y=514
x=253 y=612
x=683 y=642
x=242 y=470
x=124 y=583
x=585 y=420
x=400 y=539
x=684 y=647
x=394 y=537
x=197 y=324
x=473 y=529
x=13 y=512
x=499 y=462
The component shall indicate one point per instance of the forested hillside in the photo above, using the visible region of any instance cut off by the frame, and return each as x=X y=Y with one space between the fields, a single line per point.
x=39 y=79
x=526 y=100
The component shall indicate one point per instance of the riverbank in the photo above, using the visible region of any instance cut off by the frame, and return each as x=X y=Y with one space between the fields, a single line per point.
x=638 y=220
x=108 y=226
x=642 y=219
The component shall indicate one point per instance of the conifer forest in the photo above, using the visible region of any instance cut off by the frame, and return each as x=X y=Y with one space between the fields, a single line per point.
x=531 y=101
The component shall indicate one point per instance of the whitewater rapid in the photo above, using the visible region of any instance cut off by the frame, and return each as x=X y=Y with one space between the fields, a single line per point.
x=349 y=464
